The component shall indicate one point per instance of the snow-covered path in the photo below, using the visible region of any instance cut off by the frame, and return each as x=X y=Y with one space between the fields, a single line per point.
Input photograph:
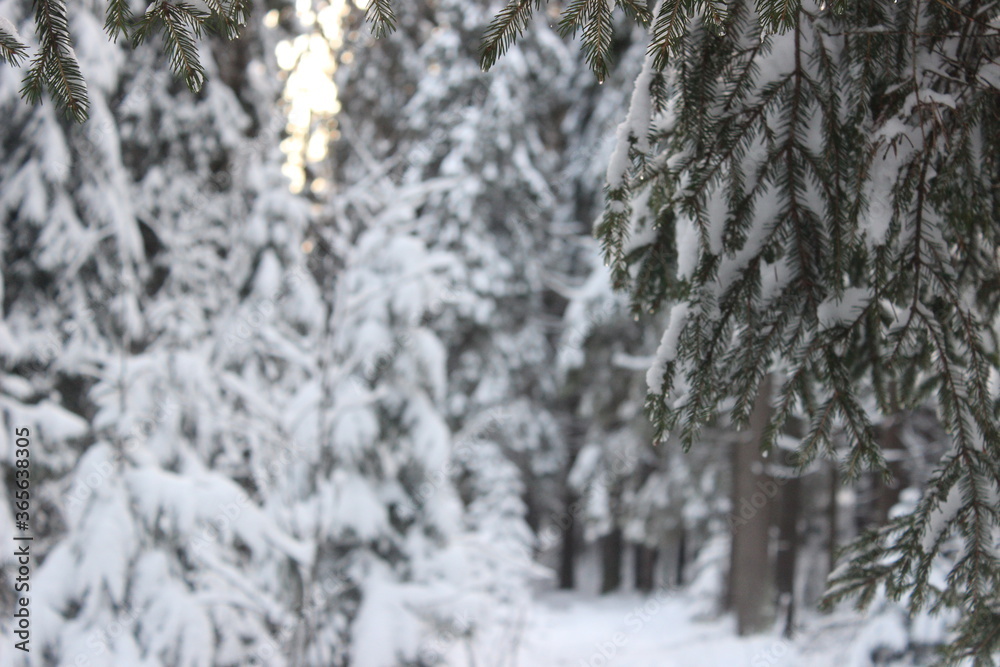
x=662 y=630
x=655 y=631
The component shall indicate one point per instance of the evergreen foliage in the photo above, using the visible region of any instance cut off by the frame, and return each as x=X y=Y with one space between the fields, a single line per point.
x=127 y=243
x=811 y=188
x=814 y=187
x=822 y=202
x=411 y=127
x=382 y=17
x=508 y=25
x=12 y=51
x=55 y=68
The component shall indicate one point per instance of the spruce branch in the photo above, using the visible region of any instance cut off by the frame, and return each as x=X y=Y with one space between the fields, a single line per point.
x=714 y=12
x=598 y=32
x=54 y=67
x=594 y=19
x=239 y=13
x=181 y=24
x=381 y=16
x=509 y=23
x=227 y=19
x=637 y=11
x=613 y=232
x=901 y=555
x=669 y=27
x=573 y=17
x=777 y=15
x=12 y=51
x=871 y=147
x=118 y=18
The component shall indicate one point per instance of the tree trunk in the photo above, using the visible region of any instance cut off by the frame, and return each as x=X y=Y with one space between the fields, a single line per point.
x=788 y=542
x=887 y=494
x=832 y=518
x=750 y=588
x=611 y=561
x=681 y=555
x=645 y=567
x=567 y=551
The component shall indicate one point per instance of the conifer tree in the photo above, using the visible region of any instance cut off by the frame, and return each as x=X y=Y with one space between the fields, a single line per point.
x=837 y=207
x=818 y=180
x=450 y=146
x=360 y=486
x=127 y=244
x=55 y=69
x=814 y=188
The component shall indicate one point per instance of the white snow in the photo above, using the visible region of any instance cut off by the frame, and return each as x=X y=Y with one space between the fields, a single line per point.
x=941 y=517
x=926 y=96
x=560 y=629
x=717 y=214
x=687 y=247
x=773 y=279
x=882 y=178
x=9 y=28
x=584 y=466
x=386 y=628
x=837 y=311
x=765 y=214
x=667 y=350
x=635 y=127
x=780 y=63
x=354 y=430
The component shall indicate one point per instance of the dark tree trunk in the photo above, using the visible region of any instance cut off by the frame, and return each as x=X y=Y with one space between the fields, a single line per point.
x=750 y=588
x=788 y=543
x=611 y=561
x=567 y=550
x=645 y=567
x=832 y=518
x=887 y=494
x=681 y=556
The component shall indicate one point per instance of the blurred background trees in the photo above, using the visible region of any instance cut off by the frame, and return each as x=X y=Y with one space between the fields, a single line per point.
x=366 y=422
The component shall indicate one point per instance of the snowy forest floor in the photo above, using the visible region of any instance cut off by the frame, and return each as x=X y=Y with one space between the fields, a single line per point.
x=569 y=629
